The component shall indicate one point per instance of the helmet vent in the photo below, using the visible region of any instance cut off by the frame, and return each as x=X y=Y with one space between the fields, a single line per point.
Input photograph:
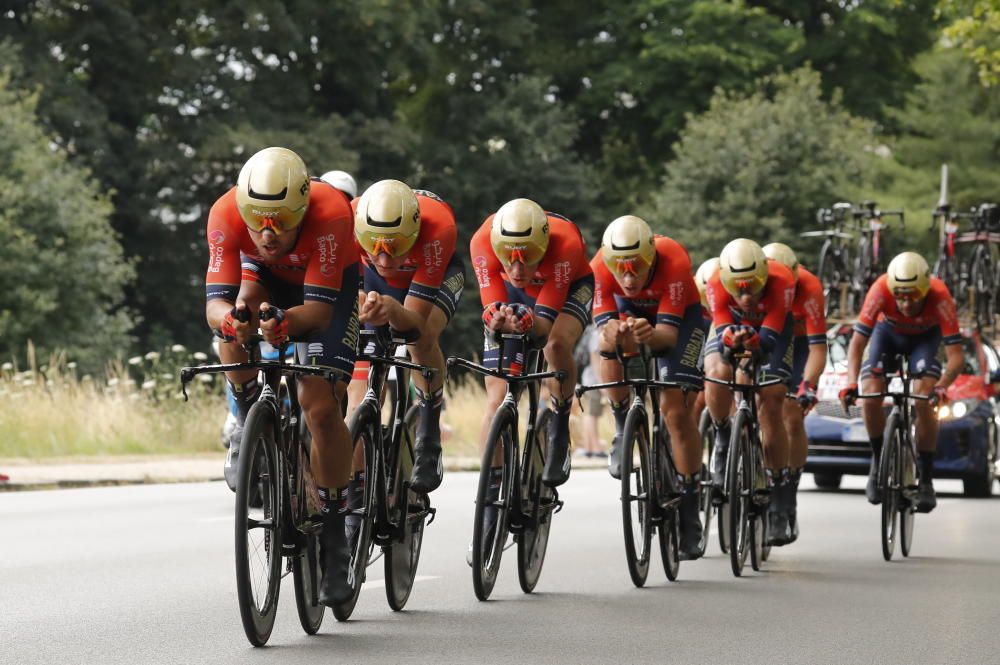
x=752 y=266
x=515 y=234
x=624 y=248
x=267 y=197
x=386 y=225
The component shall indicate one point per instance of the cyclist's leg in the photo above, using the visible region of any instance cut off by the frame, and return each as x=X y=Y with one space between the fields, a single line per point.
x=770 y=410
x=563 y=337
x=611 y=370
x=719 y=401
x=681 y=366
x=427 y=468
x=925 y=365
x=794 y=420
x=880 y=359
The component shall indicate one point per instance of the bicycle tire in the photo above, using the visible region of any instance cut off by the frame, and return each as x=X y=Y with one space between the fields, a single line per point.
x=257 y=472
x=403 y=556
x=306 y=564
x=536 y=504
x=361 y=428
x=907 y=470
x=830 y=276
x=740 y=487
x=488 y=540
x=888 y=483
x=759 y=549
x=705 y=507
x=636 y=495
x=669 y=539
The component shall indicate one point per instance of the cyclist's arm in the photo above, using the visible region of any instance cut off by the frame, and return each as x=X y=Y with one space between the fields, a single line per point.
x=855 y=352
x=223 y=277
x=954 y=358
x=815 y=363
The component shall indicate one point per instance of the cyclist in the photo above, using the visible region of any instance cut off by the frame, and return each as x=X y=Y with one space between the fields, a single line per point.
x=293 y=235
x=534 y=278
x=751 y=301
x=808 y=363
x=413 y=280
x=701 y=277
x=644 y=294
x=343 y=181
x=906 y=311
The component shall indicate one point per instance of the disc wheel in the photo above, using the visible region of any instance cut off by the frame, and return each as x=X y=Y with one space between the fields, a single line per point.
x=407 y=509
x=362 y=428
x=636 y=493
x=740 y=488
x=670 y=544
x=489 y=528
x=257 y=525
x=889 y=484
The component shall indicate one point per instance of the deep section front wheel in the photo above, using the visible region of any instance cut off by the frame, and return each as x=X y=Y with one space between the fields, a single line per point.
x=493 y=496
x=537 y=505
x=739 y=479
x=636 y=495
x=257 y=528
x=889 y=484
x=406 y=513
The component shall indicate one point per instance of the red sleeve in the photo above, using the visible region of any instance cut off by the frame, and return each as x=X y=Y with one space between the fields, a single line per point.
x=779 y=296
x=947 y=314
x=605 y=307
x=331 y=233
x=487 y=266
x=222 y=280
x=812 y=302
x=874 y=304
x=564 y=261
x=438 y=245
x=718 y=302
x=673 y=276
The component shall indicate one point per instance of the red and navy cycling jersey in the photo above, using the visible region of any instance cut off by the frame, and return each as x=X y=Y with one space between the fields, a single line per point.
x=324 y=249
x=770 y=312
x=938 y=310
x=424 y=269
x=670 y=288
x=565 y=261
x=808 y=308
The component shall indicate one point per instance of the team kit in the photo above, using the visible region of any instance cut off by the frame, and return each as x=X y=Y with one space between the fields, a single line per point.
x=311 y=263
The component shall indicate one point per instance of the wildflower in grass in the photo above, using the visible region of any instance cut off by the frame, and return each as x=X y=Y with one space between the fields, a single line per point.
x=113 y=382
x=149 y=385
x=7 y=367
x=167 y=376
x=70 y=365
x=178 y=348
x=129 y=383
x=205 y=378
x=200 y=356
x=152 y=356
x=135 y=360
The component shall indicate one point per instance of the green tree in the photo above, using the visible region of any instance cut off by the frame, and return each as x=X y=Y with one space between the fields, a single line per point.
x=61 y=264
x=975 y=27
x=758 y=166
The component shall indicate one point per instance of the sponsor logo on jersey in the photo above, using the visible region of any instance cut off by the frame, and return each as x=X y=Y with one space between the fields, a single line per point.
x=432 y=256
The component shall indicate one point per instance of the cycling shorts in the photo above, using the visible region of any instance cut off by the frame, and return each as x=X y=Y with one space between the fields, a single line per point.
x=334 y=347
x=800 y=354
x=885 y=344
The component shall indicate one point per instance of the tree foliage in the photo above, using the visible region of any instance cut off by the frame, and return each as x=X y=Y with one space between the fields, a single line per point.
x=61 y=263
x=975 y=27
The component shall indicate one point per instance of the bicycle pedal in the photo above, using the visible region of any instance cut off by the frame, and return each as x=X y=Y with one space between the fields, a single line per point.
x=433 y=513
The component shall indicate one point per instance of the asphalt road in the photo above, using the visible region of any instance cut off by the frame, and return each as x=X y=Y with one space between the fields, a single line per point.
x=145 y=575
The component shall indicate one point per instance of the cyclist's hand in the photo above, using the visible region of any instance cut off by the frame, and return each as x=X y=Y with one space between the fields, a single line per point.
x=521 y=319
x=751 y=340
x=273 y=324
x=493 y=315
x=611 y=333
x=806 y=397
x=939 y=396
x=236 y=324
x=849 y=396
x=732 y=337
x=374 y=310
x=641 y=329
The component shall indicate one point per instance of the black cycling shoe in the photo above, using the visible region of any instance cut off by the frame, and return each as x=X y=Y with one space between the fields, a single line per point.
x=720 y=455
x=232 y=464
x=926 y=498
x=557 y=459
x=793 y=518
x=778 y=528
x=691 y=527
x=428 y=466
x=872 y=491
x=336 y=586
x=615 y=458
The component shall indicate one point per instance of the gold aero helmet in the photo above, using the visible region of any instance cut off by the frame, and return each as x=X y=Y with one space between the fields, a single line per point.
x=704 y=273
x=628 y=246
x=743 y=267
x=520 y=232
x=387 y=219
x=783 y=254
x=909 y=273
x=272 y=190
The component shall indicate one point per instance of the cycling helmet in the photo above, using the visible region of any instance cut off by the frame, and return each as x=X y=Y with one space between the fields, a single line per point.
x=628 y=246
x=387 y=219
x=272 y=190
x=341 y=180
x=743 y=267
x=909 y=272
x=783 y=254
x=520 y=232
x=704 y=273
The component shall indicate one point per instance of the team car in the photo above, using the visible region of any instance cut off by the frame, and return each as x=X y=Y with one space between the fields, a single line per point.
x=969 y=422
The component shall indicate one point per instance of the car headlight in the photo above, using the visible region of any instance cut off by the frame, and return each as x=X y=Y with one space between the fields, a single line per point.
x=957 y=409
